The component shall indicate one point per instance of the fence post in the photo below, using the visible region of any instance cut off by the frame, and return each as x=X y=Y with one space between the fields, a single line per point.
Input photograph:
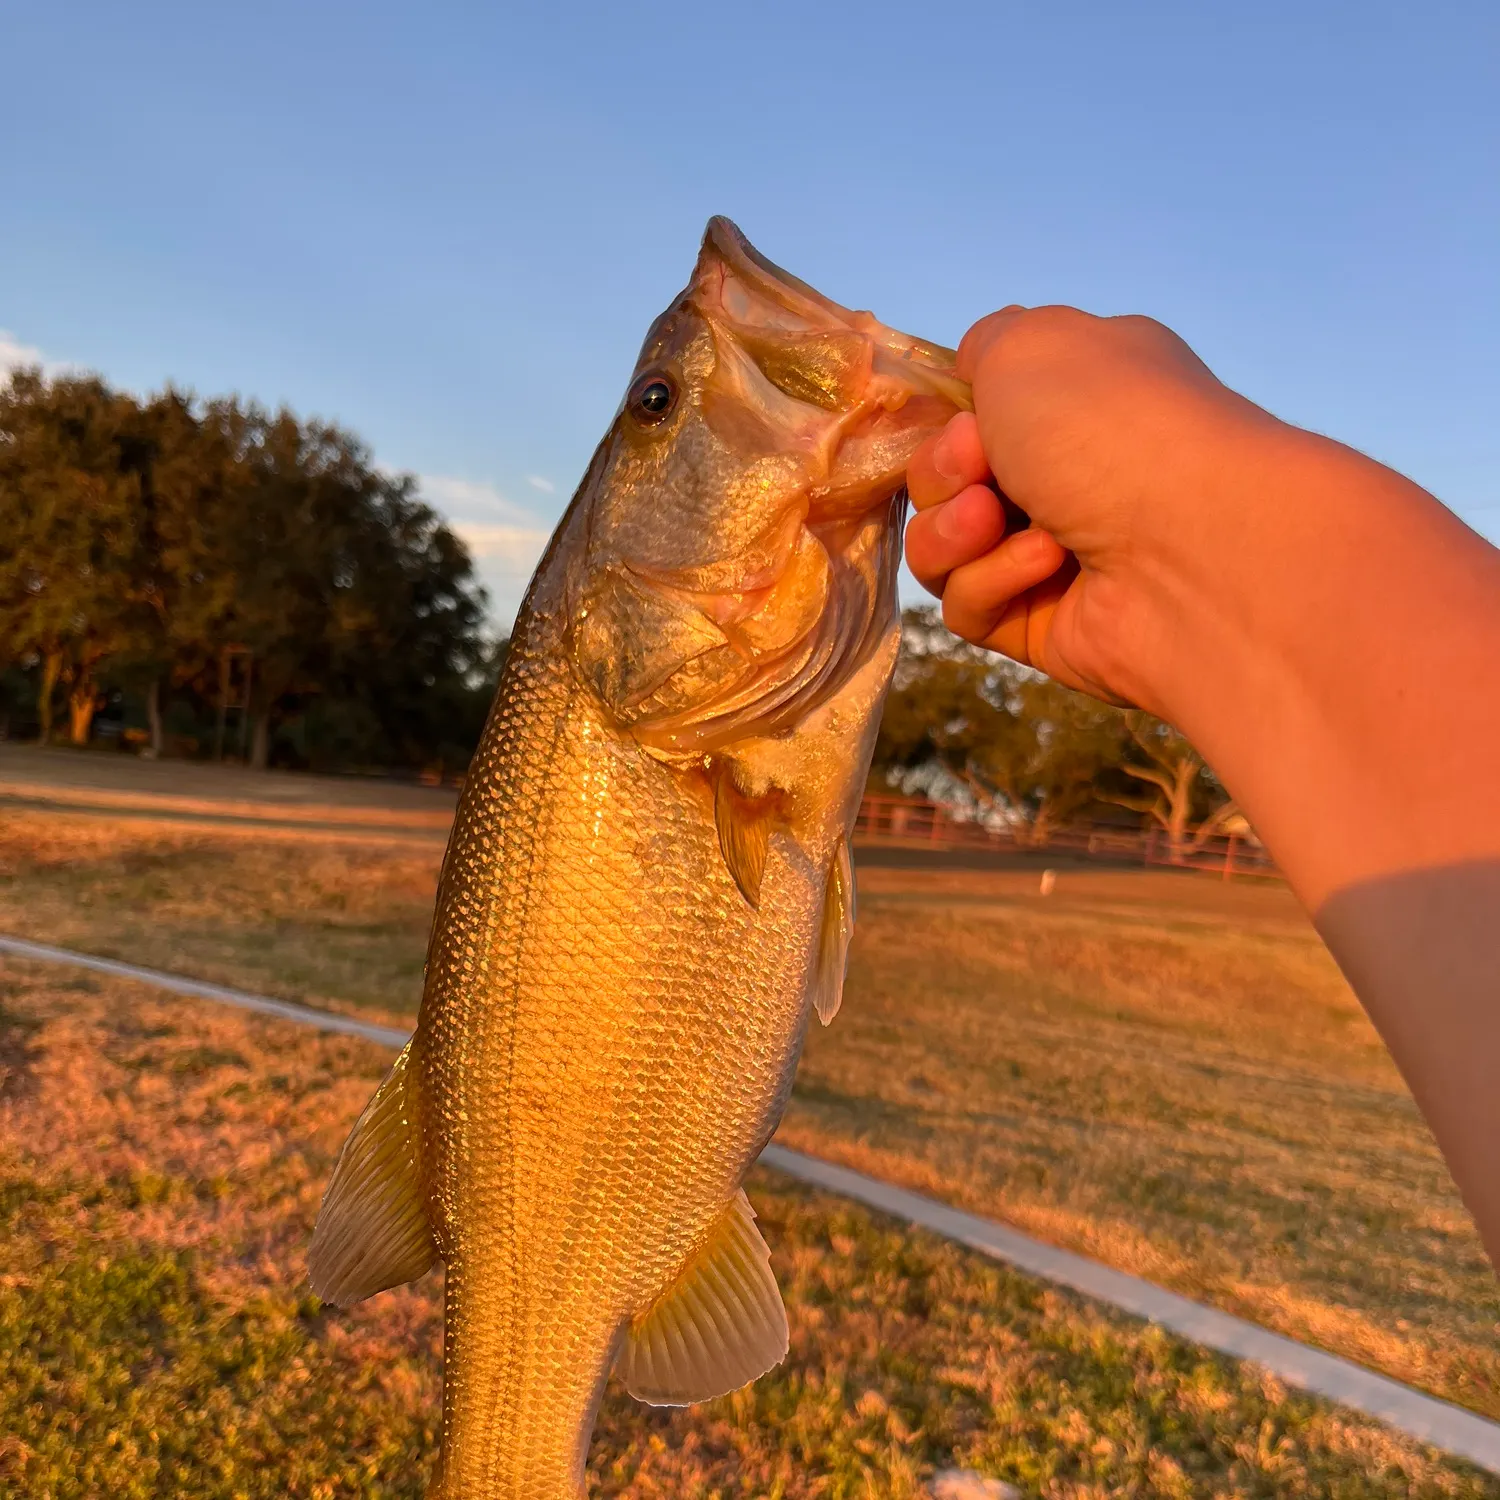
x=223 y=705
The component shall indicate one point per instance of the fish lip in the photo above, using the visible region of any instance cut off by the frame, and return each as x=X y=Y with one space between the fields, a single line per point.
x=727 y=240
x=927 y=364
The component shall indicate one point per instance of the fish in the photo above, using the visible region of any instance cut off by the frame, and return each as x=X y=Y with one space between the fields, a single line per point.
x=648 y=888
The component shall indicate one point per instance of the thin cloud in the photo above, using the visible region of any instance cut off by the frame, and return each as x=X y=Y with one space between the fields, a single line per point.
x=541 y=482
x=505 y=557
x=462 y=498
x=506 y=540
x=14 y=355
x=509 y=549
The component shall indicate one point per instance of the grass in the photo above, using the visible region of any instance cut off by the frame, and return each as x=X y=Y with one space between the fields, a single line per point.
x=1198 y=1103
x=1157 y=1070
x=341 y=924
x=160 y=1165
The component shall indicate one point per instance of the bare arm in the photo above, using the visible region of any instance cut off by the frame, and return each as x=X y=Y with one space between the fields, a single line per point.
x=1322 y=629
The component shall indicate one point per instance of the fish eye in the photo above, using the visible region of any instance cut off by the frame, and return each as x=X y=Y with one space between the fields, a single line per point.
x=652 y=398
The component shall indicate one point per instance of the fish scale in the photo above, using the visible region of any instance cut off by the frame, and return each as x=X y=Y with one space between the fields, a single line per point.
x=641 y=1068
x=647 y=892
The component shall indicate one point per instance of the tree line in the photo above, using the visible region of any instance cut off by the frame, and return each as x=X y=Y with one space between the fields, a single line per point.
x=203 y=559
x=248 y=580
x=965 y=726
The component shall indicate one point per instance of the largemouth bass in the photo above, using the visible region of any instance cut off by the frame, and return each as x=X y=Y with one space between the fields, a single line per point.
x=648 y=887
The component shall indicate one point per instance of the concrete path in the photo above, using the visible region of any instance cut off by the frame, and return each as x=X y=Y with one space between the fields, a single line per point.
x=202 y=989
x=1421 y=1416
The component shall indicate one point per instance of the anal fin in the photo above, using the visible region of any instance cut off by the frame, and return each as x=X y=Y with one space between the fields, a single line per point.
x=717 y=1327
x=372 y=1231
x=835 y=929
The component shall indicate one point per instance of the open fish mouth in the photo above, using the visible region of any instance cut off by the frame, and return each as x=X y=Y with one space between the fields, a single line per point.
x=753 y=285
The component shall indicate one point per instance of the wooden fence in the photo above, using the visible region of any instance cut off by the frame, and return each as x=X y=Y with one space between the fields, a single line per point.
x=913 y=822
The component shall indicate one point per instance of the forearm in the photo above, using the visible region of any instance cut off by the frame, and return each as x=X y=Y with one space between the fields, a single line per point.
x=1348 y=704
x=1422 y=952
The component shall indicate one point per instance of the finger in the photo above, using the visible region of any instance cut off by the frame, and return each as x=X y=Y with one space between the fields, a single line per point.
x=986 y=331
x=1022 y=630
x=977 y=595
x=952 y=534
x=947 y=463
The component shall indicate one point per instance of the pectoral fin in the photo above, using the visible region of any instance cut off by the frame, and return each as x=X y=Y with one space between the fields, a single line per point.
x=372 y=1231
x=834 y=932
x=717 y=1327
x=744 y=835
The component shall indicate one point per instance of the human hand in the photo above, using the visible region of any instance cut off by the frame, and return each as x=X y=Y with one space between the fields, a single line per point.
x=1320 y=628
x=1115 y=440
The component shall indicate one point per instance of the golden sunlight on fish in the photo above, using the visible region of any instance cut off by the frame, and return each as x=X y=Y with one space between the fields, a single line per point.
x=648 y=887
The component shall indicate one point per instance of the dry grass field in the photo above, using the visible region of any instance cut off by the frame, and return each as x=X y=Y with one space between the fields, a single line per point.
x=342 y=925
x=1196 y=1097
x=160 y=1166
x=1154 y=1069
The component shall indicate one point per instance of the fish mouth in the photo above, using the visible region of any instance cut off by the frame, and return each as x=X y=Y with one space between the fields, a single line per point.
x=745 y=272
x=862 y=393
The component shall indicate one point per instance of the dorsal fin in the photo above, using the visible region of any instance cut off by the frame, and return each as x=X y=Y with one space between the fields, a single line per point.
x=372 y=1231
x=744 y=827
x=834 y=932
x=717 y=1327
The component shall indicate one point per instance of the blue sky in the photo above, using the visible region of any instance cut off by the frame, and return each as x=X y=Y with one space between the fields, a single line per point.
x=448 y=226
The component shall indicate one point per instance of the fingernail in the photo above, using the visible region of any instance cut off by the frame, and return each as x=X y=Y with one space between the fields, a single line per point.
x=947 y=522
x=1031 y=546
x=944 y=460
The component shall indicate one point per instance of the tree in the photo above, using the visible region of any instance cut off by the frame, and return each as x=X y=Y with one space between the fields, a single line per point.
x=68 y=596
x=964 y=723
x=331 y=573
x=182 y=470
x=408 y=636
x=148 y=540
x=1187 y=802
x=1075 y=741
